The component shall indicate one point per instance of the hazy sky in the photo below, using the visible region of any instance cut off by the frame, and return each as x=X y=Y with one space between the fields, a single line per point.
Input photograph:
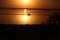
x=30 y=4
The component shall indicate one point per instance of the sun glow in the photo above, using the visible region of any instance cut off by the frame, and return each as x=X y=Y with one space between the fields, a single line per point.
x=25 y=1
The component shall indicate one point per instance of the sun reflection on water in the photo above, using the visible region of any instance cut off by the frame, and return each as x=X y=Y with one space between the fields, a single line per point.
x=25 y=16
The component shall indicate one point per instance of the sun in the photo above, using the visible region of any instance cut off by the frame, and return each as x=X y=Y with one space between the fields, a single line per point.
x=25 y=1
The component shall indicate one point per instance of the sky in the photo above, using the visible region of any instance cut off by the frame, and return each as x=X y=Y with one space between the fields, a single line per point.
x=31 y=4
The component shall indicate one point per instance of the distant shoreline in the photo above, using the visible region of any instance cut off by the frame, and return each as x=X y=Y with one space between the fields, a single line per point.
x=31 y=8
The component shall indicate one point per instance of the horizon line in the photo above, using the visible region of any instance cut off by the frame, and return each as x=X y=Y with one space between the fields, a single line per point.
x=32 y=8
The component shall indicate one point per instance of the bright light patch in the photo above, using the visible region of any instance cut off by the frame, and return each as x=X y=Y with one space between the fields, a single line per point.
x=25 y=17
x=25 y=1
x=25 y=10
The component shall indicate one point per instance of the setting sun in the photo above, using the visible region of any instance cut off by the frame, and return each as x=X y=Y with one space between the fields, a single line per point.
x=25 y=1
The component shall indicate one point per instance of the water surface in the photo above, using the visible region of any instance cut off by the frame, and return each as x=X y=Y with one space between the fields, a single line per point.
x=36 y=17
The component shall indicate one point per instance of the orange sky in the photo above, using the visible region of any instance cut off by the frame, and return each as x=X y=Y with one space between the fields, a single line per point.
x=30 y=4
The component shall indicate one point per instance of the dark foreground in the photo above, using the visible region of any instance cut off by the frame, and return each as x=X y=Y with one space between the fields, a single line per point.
x=34 y=32
x=29 y=28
